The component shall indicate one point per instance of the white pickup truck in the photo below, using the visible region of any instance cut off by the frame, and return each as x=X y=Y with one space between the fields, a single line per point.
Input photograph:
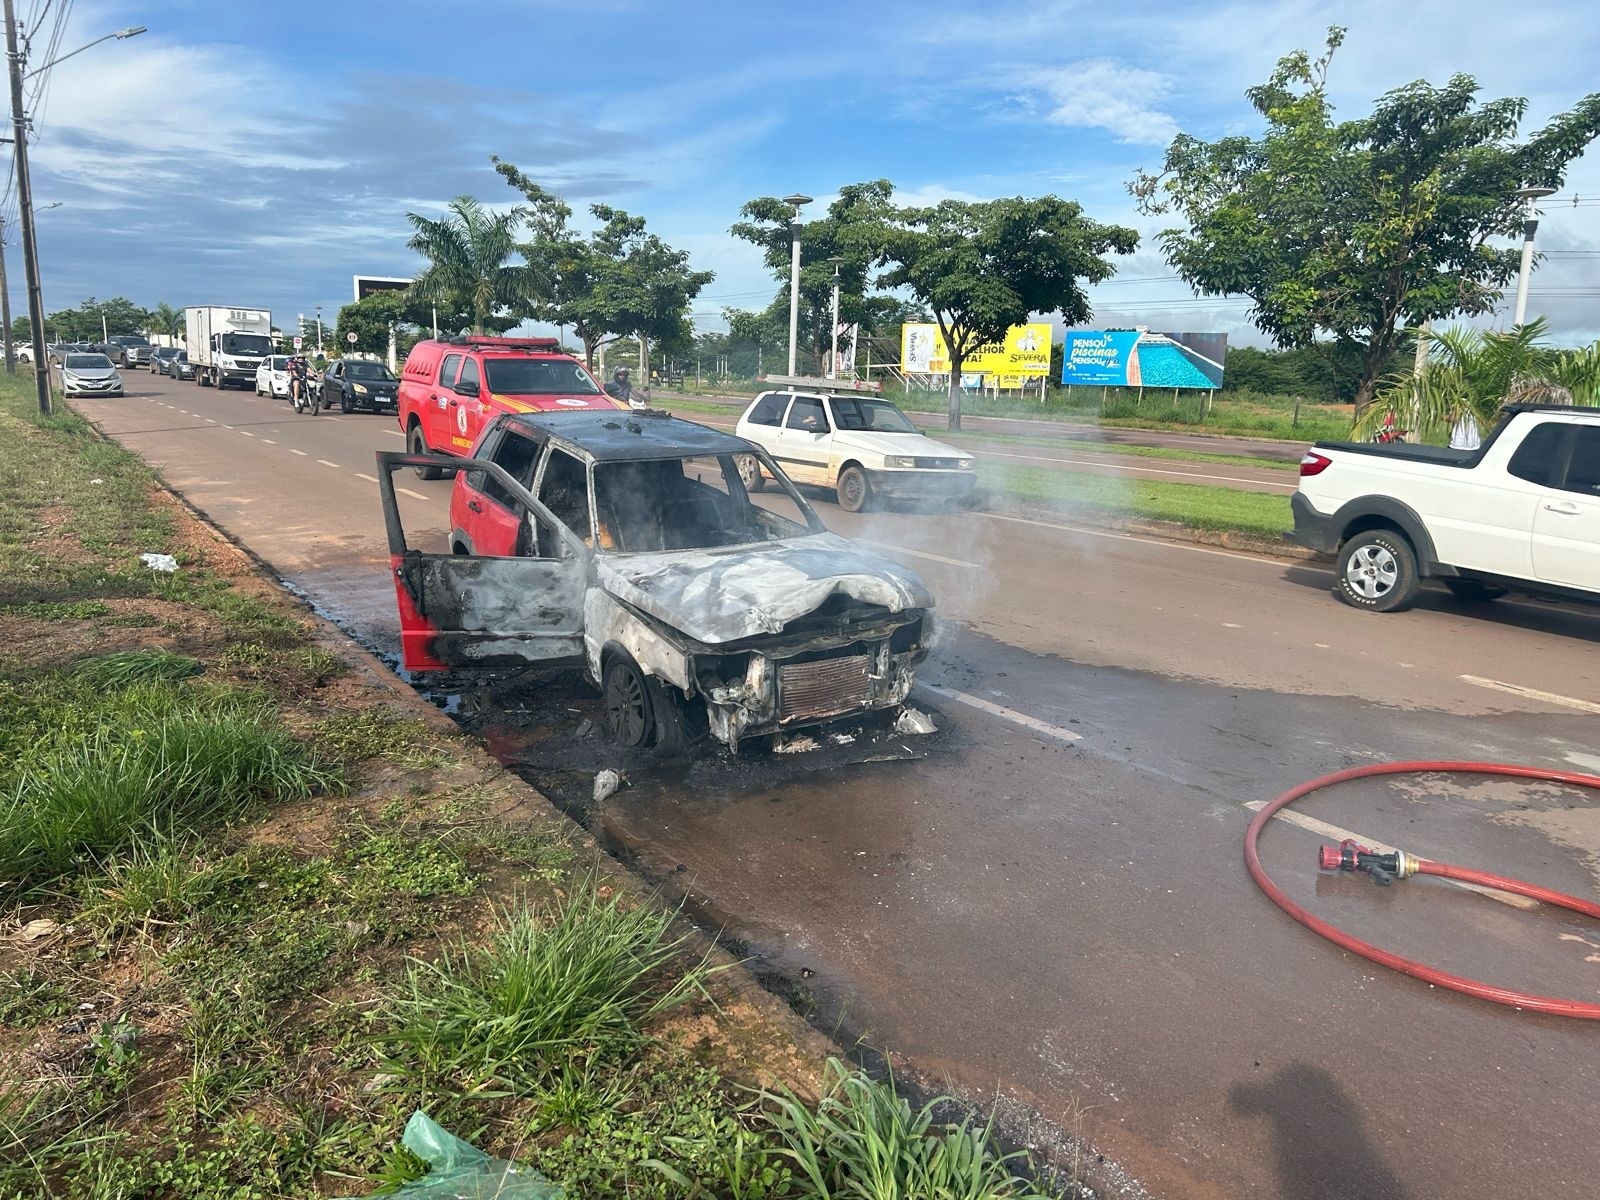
x=1522 y=512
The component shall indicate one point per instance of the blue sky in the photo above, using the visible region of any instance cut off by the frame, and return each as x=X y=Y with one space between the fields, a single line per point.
x=262 y=154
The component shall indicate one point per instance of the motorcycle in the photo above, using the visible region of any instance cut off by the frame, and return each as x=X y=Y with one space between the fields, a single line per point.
x=1390 y=432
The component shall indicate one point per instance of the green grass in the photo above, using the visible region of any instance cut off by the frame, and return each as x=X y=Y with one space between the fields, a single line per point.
x=864 y=1139
x=546 y=983
x=130 y=668
x=406 y=742
x=1196 y=506
x=108 y=768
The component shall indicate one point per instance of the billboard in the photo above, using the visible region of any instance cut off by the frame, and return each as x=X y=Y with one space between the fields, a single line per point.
x=1024 y=353
x=366 y=285
x=1140 y=358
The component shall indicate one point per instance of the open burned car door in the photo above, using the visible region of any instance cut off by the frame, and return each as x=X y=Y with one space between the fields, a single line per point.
x=466 y=611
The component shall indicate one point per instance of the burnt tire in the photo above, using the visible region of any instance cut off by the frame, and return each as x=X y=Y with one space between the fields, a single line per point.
x=1474 y=591
x=750 y=473
x=1377 y=571
x=853 y=490
x=417 y=444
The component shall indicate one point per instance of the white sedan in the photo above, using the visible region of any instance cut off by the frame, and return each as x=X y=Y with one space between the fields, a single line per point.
x=272 y=376
x=860 y=446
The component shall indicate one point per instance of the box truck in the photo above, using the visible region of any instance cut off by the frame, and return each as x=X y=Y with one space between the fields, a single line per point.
x=227 y=344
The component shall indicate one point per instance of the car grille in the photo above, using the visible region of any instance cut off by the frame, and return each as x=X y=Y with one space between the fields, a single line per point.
x=822 y=688
x=938 y=464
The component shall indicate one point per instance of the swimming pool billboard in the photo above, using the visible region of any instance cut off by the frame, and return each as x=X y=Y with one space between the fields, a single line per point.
x=1140 y=358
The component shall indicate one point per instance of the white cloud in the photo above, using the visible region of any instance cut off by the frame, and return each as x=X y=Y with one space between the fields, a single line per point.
x=1098 y=93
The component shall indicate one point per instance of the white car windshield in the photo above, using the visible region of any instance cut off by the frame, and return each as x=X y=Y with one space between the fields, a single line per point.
x=879 y=416
x=88 y=362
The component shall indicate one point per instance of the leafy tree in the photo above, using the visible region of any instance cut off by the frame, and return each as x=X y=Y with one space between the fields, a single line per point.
x=619 y=281
x=467 y=250
x=1353 y=230
x=982 y=268
x=83 y=324
x=370 y=317
x=846 y=232
x=1476 y=372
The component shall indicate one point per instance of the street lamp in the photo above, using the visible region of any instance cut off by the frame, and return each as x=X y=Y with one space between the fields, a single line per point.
x=1530 y=223
x=319 y=331
x=833 y=360
x=794 y=202
x=19 y=132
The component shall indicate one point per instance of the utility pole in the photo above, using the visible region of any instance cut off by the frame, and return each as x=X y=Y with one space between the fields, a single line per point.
x=5 y=303
x=794 y=202
x=30 y=250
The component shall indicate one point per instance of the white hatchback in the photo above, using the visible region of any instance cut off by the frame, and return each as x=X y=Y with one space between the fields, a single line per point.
x=860 y=446
x=272 y=376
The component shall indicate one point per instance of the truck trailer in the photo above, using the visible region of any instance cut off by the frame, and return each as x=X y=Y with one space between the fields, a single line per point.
x=226 y=344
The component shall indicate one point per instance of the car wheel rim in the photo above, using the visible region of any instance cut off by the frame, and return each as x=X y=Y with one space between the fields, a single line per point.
x=625 y=706
x=1372 y=572
x=747 y=471
x=852 y=489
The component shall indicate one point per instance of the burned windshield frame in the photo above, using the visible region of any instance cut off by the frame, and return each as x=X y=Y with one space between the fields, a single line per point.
x=636 y=511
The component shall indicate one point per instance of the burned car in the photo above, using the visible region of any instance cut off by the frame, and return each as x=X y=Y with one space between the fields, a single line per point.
x=627 y=545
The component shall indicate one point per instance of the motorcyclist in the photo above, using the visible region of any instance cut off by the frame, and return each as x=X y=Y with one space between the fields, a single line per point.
x=299 y=384
x=621 y=388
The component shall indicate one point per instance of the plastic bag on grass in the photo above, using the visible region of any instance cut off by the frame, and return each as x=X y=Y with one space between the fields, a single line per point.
x=463 y=1172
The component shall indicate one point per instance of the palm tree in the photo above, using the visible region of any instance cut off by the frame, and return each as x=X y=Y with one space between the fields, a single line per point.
x=1477 y=372
x=167 y=320
x=467 y=250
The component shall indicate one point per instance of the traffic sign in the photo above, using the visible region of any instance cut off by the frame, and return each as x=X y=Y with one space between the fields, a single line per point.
x=297 y=341
x=350 y=337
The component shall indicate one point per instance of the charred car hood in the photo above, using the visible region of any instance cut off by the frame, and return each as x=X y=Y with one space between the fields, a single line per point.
x=723 y=595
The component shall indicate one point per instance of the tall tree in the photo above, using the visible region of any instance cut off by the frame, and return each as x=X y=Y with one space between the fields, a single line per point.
x=847 y=232
x=618 y=281
x=1353 y=230
x=982 y=268
x=468 y=251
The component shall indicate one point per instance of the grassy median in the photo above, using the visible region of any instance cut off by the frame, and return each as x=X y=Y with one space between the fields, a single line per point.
x=255 y=912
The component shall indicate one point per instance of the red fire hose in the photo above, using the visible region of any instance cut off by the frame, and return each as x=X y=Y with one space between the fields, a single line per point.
x=1385 y=868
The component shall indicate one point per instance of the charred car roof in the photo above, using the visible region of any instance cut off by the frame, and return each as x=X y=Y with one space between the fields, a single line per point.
x=601 y=436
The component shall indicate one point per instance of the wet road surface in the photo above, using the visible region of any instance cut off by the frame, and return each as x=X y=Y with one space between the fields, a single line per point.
x=1047 y=897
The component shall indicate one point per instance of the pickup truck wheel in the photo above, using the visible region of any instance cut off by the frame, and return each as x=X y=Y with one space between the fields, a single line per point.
x=854 y=492
x=417 y=444
x=1377 y=571
x=750 y=473
x=1474 y=591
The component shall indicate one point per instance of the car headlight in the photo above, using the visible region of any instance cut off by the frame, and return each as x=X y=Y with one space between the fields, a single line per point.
x=361 y=389
x=899 y=460
x=966 y=464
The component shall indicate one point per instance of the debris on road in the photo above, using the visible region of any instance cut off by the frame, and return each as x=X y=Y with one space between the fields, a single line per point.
x=458 y=1169
x=607 y=783
x=912 y=720
x=795 y=745
x=159 y=562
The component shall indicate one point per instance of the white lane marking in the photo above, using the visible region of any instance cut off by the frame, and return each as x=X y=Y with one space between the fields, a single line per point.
x=326 y=463
x=1528 y=693
x=1337 y=834
x=1084 y=462
x=247 y=433
x=394 y=433
x=409 y=492
x=953 y=562
x=301 y=453
x=368 y=478
x=211 y=420
x=1005 y=714
x=1130 y=537
x=269 y=441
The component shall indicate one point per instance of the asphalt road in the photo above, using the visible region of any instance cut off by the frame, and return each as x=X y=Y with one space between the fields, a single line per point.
x=1049 y=904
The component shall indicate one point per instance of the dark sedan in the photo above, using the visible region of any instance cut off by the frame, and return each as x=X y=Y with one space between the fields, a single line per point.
x=354 y=383
x=178 y=366
x=159 y=356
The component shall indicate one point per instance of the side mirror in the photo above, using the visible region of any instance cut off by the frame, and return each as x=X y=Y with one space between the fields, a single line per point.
x=466 y=388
